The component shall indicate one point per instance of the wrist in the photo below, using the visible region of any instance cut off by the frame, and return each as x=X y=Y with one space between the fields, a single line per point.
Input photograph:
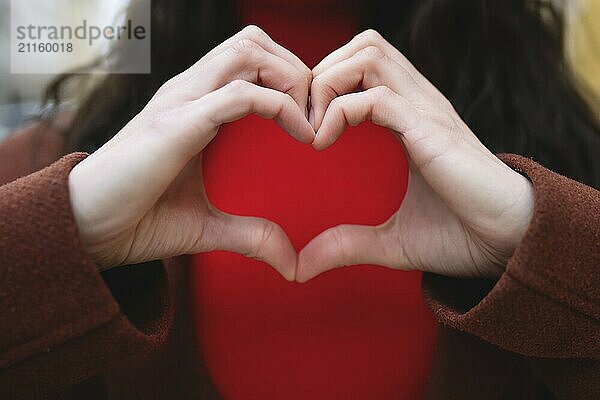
x=509 y=229
x=519 y=218
x=526 y=202
x=83 y=222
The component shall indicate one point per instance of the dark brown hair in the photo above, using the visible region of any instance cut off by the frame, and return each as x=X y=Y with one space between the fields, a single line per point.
x=500 y=63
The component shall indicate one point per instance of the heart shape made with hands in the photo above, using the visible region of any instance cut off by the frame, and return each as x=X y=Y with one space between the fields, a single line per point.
x=361 y=179
x=472 y=224
x=463 y=207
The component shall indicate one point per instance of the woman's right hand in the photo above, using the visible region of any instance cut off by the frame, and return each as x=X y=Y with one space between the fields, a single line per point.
x=140 y=197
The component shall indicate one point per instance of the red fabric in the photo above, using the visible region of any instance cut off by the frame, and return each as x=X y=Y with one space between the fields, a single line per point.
x=357 y=332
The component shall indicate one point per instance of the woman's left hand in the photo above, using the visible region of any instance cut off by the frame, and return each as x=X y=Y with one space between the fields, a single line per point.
x=464 y=212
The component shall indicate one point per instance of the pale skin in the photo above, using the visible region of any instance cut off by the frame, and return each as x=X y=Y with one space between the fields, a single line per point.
x=140 y=197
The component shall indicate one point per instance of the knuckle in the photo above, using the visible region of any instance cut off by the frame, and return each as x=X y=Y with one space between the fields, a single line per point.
x=317 y=82
x=287 y=102
x=386 y=234
x=170 y=84
x=308 y=76
x=253 y=32
x=381 y=92
x=245 y=48
x=287 y=99
x=338 y=239
x=336 y=104
x=371 y=36
x=164 y=88
x=238 y=86
x=372 y=52
x=321 y=82
x=263 y=236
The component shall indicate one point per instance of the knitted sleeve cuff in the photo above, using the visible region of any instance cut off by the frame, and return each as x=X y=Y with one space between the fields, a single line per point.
x=547 y=302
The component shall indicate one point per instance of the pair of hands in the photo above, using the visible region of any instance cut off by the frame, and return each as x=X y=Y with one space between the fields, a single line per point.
x=140 y=197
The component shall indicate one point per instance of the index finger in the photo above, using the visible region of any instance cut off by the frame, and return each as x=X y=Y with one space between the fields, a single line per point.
x=368 y=38
x=259 y=36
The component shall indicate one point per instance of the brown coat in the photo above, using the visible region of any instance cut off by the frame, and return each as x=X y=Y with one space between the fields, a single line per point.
x=68 y=331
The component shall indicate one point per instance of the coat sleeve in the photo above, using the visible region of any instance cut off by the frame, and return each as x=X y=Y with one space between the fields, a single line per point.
x=546 y=305
x=61 y=323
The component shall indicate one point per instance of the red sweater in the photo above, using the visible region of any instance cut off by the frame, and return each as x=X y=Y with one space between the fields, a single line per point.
x=358 y=332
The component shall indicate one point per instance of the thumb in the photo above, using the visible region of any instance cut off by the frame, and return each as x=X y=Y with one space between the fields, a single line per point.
x=345 y=245
x=256 y=238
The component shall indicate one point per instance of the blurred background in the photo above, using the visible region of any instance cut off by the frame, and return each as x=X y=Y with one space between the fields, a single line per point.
x=20 y=94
